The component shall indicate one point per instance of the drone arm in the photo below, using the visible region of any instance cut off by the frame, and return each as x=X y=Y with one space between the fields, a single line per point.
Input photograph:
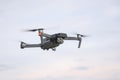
x=24 y=45
x=71 y=38
x=75 y=38
x=46 y=35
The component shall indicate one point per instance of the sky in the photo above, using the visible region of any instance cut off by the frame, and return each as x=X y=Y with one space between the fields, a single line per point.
x=97 y=59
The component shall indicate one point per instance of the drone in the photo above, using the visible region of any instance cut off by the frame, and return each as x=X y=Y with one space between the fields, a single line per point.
x=51 y=41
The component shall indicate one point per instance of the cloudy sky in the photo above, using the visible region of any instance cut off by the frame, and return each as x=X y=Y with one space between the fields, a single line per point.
x=97 y=59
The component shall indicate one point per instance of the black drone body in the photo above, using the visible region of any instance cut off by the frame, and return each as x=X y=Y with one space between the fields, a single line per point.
x=51 y=41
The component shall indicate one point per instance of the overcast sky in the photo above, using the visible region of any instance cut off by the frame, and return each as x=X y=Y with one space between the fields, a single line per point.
x=97 y=59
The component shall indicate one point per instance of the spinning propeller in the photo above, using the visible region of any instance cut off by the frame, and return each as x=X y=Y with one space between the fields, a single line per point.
x=33 y=30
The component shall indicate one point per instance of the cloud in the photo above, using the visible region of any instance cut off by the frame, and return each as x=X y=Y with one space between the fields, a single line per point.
x=4 y=67
x=82 y=68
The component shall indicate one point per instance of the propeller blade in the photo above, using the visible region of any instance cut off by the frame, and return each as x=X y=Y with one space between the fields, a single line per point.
x=83 y=35
x=80 y=35
x=33 y=30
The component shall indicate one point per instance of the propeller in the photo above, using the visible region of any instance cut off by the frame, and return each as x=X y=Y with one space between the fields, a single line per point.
x=33 y=30
x=80 y=35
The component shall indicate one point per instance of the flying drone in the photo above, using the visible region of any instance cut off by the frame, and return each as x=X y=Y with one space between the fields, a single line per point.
x=51 y=41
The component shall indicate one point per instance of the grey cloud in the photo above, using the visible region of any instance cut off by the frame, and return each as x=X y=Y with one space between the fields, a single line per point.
x=82 y=68
x=114 y=76
x=4 y=67
x=68 y=78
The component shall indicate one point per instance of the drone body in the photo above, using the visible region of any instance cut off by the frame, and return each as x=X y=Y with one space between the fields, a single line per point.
x=51 y=41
